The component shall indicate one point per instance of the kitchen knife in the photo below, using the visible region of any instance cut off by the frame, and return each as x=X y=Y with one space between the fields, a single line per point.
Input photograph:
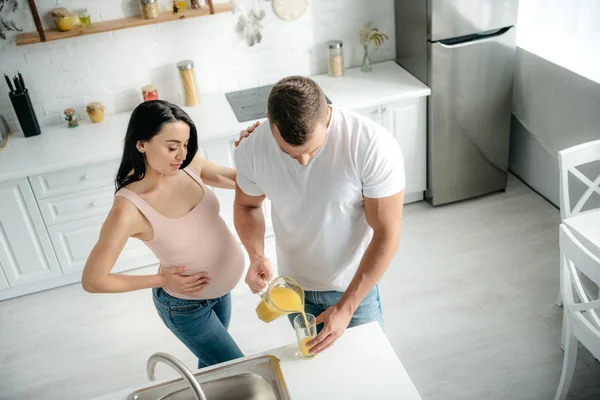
x=10 y=86
x=18 y=87
x=22 y=82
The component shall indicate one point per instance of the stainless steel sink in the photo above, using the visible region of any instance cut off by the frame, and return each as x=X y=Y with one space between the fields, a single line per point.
x=253 y=379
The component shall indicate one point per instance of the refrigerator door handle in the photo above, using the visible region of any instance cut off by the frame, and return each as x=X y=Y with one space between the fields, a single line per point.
x=472 y=39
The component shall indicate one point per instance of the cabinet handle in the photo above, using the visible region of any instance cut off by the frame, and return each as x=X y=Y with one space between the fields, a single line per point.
x=383 y=109
x=85 y=177
x=95 y=203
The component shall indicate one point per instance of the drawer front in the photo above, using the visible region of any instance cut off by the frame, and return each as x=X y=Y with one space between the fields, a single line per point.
x=70 y=207
x=74 y=179
x=73 y=242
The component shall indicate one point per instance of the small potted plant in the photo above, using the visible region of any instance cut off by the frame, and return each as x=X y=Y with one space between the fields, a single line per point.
x=369 y=34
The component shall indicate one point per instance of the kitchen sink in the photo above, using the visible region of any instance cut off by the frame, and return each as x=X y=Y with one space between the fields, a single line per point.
x=251 y=379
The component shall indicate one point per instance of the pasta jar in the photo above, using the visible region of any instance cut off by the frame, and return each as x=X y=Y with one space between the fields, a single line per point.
x=336 y=58
x=188 y=82
x=149 y=9
x=149 y=92
x=95 y=111
x=62 y=18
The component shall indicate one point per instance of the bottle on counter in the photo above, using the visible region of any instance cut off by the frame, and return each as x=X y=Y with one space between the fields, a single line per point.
x=335 y=58
x=149 y=9
x=188 y=82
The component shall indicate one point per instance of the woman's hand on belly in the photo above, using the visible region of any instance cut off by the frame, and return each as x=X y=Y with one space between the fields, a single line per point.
x=173 y=280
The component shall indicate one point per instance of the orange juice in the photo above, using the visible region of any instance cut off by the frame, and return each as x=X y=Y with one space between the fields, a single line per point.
x=304 y=348
x=283 y=296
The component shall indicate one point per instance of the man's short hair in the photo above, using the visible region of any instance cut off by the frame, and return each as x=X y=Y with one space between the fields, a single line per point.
x=295 y=105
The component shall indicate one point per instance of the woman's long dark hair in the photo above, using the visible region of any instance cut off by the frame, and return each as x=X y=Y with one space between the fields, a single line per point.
x=146 y=122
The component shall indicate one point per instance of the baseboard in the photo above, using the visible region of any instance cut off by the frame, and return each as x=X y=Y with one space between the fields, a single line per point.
x=533 y=164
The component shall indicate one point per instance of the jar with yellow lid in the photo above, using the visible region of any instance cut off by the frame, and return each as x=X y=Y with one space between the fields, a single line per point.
x=62 y=18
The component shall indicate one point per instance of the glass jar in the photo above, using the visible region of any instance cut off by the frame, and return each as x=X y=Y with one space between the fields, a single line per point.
x=335 y=58
x=149 y=92
x=62 y=18
x=95 y=111
x=72 y=117
x=188 y=82
x=149 y=9
x=84 y=17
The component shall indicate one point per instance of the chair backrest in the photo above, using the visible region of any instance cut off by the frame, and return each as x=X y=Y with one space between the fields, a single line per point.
x=581 y=311
x=568 y=161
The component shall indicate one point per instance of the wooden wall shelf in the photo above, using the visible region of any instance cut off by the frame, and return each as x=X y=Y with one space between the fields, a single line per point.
x=116 y=24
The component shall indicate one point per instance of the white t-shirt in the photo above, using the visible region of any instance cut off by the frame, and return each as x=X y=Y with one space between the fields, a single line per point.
x=317 y=210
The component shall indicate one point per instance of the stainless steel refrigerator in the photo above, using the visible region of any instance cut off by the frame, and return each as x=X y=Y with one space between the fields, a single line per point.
x=464 y=51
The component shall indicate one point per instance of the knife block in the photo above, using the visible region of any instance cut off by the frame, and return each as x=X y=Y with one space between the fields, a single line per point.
x=25 y=113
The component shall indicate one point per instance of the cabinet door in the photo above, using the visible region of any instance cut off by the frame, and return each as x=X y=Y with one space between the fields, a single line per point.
x=375 y=113
x=3 y=282
x=406 y=120
x=26 y=255
x=73 y=242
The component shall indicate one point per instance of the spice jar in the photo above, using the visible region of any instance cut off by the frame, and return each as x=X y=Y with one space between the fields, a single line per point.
x=62 y=19
x=188 y=82
x=149 y=92
x=336 y=58
x=180 y=5
x=149 y=9
x=95 y=111
x=84 y=17
x=72 y=117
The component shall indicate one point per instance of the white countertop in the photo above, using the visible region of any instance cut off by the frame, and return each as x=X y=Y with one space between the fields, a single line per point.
x=59 y=147
x=361 y=365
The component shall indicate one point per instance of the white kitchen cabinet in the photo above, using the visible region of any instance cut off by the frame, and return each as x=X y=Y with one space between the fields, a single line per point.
x=71 y=207
x=406 y=120
x=76 y=179
x=3 y=282
x=26 y=255
x=73 y=241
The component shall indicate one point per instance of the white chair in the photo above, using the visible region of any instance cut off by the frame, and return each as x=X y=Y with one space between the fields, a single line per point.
x=582 y=322
x=568 y=161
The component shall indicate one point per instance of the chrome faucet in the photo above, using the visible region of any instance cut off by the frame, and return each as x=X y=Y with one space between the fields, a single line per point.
x=178 y=366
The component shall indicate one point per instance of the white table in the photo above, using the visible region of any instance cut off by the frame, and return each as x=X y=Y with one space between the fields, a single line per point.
x=586 y=227
x=361 y=365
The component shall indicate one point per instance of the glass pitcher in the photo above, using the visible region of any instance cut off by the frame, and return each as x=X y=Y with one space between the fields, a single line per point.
x=266 y=310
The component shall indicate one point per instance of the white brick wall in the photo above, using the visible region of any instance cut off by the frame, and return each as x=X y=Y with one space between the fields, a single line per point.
x=112 y=67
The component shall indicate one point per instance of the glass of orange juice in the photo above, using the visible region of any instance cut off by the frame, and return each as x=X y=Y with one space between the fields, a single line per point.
x=306 y=329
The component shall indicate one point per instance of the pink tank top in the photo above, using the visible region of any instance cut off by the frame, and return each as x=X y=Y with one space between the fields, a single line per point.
x=200 y=240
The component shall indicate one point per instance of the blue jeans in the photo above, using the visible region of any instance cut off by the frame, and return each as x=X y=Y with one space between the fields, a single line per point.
x=200 y=324
x=369 y=309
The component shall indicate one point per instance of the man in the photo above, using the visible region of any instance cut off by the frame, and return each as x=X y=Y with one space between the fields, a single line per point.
x=336 y=184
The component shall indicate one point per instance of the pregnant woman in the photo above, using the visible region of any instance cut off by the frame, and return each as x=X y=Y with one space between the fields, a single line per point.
x=162 y=199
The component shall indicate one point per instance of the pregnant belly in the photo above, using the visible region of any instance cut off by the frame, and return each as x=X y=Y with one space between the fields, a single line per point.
x=224 y=269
